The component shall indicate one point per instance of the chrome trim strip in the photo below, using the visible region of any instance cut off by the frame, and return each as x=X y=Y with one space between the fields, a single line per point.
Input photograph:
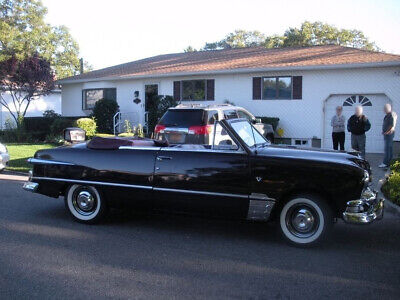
x=239 y=151
x=141 y=187
x=138 y=148
x=200 y=192
x=94 y=182
x=48 y=162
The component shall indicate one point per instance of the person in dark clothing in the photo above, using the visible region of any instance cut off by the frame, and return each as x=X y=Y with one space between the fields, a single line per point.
x=338 y=122
x=388 y=127
x=358 y=125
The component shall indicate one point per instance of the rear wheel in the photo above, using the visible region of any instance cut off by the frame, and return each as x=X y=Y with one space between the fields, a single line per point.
x=85 y=204
x=305 y=220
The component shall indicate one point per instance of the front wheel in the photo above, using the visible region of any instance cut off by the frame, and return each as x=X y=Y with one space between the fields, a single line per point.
x=85 y=204
x=305 y=220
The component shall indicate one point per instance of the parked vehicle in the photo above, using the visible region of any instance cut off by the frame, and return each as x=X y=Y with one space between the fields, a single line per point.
x=193 y=124
x=4 y=157
x=239 y=175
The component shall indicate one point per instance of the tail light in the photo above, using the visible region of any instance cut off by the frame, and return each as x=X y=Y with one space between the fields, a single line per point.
x=159 y=129
x=200 y=129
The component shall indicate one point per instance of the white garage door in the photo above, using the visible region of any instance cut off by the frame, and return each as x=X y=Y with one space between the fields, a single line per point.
x=373 y=109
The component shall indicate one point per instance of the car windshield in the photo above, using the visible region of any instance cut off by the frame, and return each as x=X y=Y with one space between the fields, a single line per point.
x=248 y=133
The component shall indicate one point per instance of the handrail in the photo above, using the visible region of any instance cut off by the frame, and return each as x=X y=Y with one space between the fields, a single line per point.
x=116 y=117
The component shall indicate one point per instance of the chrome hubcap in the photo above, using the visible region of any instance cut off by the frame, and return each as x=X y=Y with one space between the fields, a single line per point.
x=84 y=202
x=302 y=220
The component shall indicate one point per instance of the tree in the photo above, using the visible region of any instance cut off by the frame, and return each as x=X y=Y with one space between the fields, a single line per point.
x=24 y=81
x=190 y=49
x=23 y=33
x=308 y=34
x=237 y=39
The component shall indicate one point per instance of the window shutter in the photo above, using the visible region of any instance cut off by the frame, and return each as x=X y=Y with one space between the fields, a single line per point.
x=256 y=88
x=210 y=89
x=177 y=90
x=297 y=87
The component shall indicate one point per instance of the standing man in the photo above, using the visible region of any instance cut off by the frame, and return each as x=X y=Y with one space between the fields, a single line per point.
x=358 y=125
x=388 y=126
x=337 y=123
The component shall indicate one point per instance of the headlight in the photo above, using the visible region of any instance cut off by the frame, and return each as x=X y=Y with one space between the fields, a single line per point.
x=3 y=149
x=366 y=177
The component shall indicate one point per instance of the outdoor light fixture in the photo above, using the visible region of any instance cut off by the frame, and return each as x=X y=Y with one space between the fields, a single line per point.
x=136 y=99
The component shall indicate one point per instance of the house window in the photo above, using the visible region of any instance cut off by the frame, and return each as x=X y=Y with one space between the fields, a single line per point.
x=357 y=100
x=274 y=88
x=194 y=90
x=91 y=96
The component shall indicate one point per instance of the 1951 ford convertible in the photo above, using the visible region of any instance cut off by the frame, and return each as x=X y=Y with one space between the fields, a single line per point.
x=240 y=174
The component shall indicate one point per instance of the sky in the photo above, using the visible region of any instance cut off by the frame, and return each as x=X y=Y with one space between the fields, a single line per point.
x=119 y=31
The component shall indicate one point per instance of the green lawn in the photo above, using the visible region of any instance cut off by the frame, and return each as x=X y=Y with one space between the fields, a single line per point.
x=19 y=153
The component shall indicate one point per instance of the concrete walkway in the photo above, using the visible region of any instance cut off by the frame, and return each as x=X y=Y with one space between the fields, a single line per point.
x=375 y=159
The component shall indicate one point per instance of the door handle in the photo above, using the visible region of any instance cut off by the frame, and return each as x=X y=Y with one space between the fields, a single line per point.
x=161 y=158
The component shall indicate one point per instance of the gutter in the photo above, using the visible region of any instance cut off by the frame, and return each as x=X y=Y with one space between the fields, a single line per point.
x=237 y=71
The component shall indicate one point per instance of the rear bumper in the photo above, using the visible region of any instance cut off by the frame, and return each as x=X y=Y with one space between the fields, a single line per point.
x=365 y=210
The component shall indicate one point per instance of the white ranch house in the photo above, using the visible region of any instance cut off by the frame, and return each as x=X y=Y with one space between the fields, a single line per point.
x=300 y=86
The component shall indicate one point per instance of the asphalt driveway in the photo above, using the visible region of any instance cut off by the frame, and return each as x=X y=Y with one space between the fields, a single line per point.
x=44 y=254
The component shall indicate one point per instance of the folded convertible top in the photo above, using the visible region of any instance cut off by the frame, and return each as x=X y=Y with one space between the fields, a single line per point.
x=100 y=143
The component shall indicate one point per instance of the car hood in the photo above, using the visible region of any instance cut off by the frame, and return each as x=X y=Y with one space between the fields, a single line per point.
x=314 y=154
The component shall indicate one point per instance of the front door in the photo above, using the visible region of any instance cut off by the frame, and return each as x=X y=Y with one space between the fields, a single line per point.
x=203 y=179
x=150 y=97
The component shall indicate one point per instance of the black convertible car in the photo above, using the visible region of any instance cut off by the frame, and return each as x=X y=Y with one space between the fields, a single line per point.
x=240 y=174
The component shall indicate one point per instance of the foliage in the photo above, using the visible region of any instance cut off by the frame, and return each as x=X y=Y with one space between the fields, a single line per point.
x=104 y=111
x=24 y=80
x=391 y=189
x=128 y=127
x=158 y=109
x=308 y=34
x=19 y=153
x=190 y=49
x=87 y=124
x=270 y=120
x=24 y=32
x=59 y=124
x=50 y=114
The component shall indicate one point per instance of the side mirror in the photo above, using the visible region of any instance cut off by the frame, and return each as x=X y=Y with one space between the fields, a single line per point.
x=256 y=120
x=74 y=135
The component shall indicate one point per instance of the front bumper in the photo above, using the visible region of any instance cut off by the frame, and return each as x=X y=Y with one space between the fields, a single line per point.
x=364 y=210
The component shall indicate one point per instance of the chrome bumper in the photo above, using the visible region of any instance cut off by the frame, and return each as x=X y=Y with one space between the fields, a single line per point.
x=364 y=210
x=30 y=186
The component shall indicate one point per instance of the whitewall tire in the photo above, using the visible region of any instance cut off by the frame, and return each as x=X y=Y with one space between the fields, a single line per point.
x=85 y=204
x=305 y=220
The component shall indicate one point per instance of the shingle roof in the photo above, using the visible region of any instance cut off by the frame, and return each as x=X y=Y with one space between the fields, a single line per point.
x=237 y=59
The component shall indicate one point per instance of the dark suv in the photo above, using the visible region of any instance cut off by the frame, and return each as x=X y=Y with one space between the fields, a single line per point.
x=193 y=124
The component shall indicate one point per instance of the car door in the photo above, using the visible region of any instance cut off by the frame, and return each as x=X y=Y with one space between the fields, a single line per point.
x=203 y=179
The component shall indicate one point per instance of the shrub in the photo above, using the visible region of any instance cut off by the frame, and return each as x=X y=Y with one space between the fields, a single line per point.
x=104 y=111
x=158 y=108
x=393 y=187
x=59 y=124
x=87 y=124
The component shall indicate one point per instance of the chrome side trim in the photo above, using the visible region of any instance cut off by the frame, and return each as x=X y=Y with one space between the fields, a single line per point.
x=201 y=192
x=140 y=187
x=94 y=182
x=260 y=207
x=239 y=151
x=48 y=162
x=138 y=148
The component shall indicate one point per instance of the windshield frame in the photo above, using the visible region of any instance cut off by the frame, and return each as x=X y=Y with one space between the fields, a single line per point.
x=254 y=131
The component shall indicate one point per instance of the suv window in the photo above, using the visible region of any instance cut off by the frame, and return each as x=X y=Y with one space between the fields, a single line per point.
x=183 y=118
x=245 y=115
x=230 y=114
x=212 y=117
